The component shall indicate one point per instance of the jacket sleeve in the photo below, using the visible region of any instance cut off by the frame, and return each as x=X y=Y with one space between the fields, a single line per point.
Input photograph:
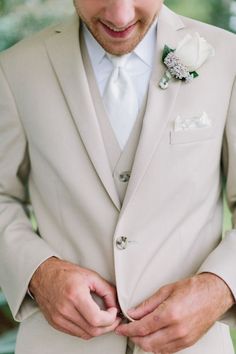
x=21 y=249
x=222 y=261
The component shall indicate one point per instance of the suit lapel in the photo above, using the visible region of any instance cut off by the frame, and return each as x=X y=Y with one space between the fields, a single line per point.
x=64 y=52
x=159 y=105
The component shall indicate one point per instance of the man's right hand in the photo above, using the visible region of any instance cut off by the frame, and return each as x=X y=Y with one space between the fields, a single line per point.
x=63 y=293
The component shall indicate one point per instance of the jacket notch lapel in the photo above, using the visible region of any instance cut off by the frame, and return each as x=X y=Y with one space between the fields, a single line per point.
x=160 y=102
x=65 y=56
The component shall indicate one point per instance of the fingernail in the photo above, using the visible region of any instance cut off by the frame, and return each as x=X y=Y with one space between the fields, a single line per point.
x=117 y=332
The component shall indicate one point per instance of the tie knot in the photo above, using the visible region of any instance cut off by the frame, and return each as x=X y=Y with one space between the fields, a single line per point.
x=118 y=61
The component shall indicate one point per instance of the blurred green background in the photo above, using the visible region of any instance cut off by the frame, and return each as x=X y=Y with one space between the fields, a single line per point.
x=20 y=18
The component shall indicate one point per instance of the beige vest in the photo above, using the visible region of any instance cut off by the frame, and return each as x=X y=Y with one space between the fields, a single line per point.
x=121 y=161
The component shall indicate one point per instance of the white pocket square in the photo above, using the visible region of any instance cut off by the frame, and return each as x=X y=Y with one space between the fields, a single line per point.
x=197 y=122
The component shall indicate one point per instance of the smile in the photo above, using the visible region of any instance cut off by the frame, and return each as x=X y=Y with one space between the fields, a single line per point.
x=118 y=33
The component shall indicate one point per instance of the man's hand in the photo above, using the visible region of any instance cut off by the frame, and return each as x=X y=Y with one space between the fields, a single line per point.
x=63 y=293
x=178 y=314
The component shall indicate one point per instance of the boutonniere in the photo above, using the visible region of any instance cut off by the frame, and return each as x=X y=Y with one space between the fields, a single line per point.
x=182 y=62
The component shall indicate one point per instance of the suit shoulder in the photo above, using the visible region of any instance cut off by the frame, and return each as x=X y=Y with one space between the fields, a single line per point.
x=216 y=33
x=224 y=42
x=217 y=36
x=34 y=44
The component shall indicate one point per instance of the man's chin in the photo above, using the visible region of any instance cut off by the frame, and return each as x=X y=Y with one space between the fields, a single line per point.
x=121 y=48
x=118 y=52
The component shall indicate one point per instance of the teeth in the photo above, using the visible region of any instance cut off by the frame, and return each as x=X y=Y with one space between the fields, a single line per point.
x=116 y=30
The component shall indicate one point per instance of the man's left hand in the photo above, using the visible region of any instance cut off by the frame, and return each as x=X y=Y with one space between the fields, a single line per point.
x=178 y=314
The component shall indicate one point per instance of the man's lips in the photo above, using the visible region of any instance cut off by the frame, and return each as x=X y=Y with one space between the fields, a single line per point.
x=115 y=33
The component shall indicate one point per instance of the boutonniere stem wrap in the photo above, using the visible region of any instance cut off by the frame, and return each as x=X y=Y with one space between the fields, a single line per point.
x=182 y=63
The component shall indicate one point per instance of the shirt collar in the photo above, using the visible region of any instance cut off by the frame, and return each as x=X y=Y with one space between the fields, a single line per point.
x=96 y=51
x=144 y=50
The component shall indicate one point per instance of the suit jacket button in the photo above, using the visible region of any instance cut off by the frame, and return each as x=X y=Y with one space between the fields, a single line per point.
x=124 y=176
x=122 y=243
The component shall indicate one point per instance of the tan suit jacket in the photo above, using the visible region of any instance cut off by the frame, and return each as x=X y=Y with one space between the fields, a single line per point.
x=172 y=212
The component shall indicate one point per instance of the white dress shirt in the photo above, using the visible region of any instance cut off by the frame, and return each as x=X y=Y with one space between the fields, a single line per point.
x=139 y=65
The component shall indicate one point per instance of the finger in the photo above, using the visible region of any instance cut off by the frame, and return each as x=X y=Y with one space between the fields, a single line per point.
x=91 y=311
x=80 y=321
x=65 y=326
x=163 y=341
x=71 y=314
x=106 y=291
x=151 y=323
x=111 y=300
x=150 y=304
x=98 y=331
x=178 y=345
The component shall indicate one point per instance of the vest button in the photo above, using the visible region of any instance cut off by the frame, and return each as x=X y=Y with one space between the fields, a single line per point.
x=124 y=177
x=122 y=243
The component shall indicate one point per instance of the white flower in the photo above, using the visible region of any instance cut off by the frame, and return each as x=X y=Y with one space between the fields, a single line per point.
x=193 y=51
x=182 y=62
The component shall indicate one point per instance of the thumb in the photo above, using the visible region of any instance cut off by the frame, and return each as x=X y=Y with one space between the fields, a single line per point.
x=150 y=304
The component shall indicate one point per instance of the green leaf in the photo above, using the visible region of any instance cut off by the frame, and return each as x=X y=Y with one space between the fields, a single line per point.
x=166 y=51
x=194 y=74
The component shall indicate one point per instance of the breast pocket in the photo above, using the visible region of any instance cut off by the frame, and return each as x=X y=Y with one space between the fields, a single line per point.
x=192 y=136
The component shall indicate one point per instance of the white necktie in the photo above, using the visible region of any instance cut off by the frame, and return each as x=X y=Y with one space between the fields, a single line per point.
x=120 y=100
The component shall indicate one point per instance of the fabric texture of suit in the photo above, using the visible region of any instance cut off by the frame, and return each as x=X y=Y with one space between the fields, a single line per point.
x=172 y=210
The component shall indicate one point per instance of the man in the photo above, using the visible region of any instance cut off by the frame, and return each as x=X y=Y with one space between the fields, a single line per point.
x=128 y=256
